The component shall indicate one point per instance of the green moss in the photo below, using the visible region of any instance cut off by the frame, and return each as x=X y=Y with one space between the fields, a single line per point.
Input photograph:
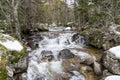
x=3 y=72
x=94 y=40
x=15 y=55
x=3 y=48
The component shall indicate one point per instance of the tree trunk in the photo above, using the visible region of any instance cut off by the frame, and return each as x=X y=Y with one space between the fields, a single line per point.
x=16 y=22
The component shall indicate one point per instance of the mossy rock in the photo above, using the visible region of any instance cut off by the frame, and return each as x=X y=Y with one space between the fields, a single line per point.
x=3 y=71
x=8 y=57
x=15 y=55
x=118 y=29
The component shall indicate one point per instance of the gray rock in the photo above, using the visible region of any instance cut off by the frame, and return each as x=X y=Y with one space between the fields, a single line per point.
x=65 y=54
x=75 y=37
x=111 y=62
x=10 y=71
x=78 y=39
x=47 y=55
x=97 y=67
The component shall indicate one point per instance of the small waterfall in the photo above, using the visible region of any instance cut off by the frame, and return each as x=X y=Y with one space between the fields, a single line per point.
x=51 y=70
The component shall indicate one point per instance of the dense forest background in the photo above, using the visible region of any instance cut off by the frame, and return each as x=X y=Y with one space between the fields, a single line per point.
x=17 y=16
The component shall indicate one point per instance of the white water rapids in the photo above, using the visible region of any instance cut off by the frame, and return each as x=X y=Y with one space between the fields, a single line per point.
x=52 y=70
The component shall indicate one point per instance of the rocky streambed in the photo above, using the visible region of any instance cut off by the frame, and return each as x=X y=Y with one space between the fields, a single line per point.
x=62 y=54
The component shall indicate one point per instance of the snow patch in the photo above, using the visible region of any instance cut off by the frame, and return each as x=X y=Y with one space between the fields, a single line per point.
x=68 y=28
x=10 y=43
x=113 y=77
x=115 y=51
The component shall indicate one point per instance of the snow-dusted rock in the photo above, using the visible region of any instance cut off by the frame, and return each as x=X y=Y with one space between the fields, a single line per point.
x=10 y=43
x=115 y=51
x=113 y=77
x=11 y=50
x=111 y=60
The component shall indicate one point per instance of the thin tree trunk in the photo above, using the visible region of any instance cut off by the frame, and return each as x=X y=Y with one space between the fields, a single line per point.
x=17 y=25
x=16 y=21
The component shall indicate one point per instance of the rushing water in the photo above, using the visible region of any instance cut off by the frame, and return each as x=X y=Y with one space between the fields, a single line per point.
x=54 y=41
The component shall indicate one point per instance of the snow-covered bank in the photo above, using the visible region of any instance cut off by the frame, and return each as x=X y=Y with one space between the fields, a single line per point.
x=11 y=51
x=10 y=43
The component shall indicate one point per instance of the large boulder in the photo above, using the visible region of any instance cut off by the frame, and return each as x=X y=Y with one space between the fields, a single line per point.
x=65 y=54
x=111 y=60
x=39 y=27
x=11 y=50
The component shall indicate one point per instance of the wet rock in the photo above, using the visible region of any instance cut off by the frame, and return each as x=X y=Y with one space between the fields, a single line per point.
x=97 y=67
x=88 y=61
x=75 y=75
x=71 y=64
x=85 y=58
x=24 y=76
x=65 y=76
x=39 y=77
x=10 y=71
x=22 y=65
x=65 y=54
x=77 y=38
x=47 y=55
x=105 y=74
x=33 y=41
x=111 y=62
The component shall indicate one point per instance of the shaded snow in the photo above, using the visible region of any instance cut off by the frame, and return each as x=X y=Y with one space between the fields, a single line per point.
x=10 y=43
x=115 y=50
x=113 y=77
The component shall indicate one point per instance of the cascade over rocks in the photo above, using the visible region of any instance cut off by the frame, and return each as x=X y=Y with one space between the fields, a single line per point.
x=65 y=54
